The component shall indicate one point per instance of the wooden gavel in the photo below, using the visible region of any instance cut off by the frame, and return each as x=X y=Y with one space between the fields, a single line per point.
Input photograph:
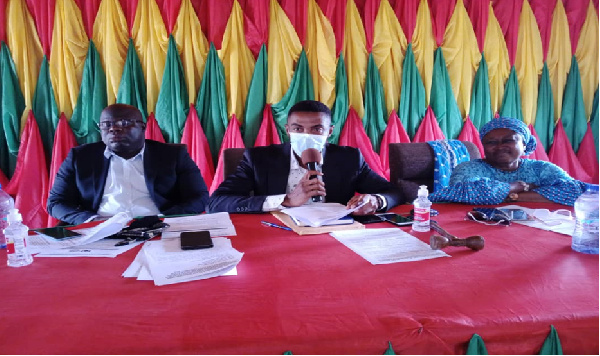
x=445 y=239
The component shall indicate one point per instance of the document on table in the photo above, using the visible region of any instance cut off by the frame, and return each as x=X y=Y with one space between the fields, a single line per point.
x=559 y=221
x=218 y=224
x=164 y=262
x=101 y=248
x=390 y=245
x=319 y=214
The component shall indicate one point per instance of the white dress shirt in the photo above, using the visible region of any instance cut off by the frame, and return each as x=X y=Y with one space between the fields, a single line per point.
x=125 y=189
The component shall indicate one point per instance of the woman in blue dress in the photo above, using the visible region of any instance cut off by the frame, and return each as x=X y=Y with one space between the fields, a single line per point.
x=503 y=175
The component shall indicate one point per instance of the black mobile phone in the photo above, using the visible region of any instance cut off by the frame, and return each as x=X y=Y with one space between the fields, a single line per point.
x=515 y=214
x=396 y=219
x=367 y=219
x=57 y=232
x=194 y=240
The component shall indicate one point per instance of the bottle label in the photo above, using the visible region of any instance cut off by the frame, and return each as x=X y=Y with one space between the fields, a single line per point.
x=421 y=214
x=10 y=248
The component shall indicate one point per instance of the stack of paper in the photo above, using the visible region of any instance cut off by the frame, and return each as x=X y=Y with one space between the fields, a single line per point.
x=218 y=224
x=164 y=262
x=320 y=214
x=381 y=246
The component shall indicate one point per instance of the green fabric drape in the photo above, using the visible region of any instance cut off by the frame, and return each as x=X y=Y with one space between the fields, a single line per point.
x=91 y=100
x=211 y=103
x=12 y=105
x=339 y=112
x=301 y=88
x=594 y=120
x=573 y=111
x=132 y=88
x=481 y=102
x=544 y=117
x=511 y=102
x=375 y=109
x=172 y=106
x=256 y=99
x=44 y=108
x=476 y=346
x=412 y=106
x=389 y=350
x=552 y=344
x=443 y=103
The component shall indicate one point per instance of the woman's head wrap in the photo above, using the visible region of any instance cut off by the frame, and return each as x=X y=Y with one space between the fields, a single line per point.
x=517 y=126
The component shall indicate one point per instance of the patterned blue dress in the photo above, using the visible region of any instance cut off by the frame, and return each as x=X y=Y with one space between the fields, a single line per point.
x=477 y=182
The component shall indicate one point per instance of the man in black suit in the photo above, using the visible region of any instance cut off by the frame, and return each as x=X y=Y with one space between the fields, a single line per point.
x=273 y=177
x=124 y=172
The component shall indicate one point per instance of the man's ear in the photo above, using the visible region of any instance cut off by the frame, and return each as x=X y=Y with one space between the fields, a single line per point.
x=330 y=131
x=143 y=126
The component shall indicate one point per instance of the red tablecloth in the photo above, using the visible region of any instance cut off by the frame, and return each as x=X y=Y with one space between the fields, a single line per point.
x=310 y=294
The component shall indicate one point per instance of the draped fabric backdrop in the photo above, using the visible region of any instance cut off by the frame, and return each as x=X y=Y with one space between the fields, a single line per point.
x=396 y=70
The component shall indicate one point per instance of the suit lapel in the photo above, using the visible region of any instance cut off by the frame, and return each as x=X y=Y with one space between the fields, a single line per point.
x=150 y=167
x=100 y=172
x=279 y=170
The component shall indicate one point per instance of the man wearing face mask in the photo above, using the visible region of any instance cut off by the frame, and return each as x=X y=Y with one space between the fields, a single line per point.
x=274 y=177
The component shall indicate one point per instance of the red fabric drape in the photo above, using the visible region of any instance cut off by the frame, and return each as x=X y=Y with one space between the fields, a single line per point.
x=169 y=9
x=129 y=8
x=3 y=180
x=543 y=10
x=29 y=183
x=213 y=16
x=469 y=133
x=441 y=11
x=508 y=13
x=297 y=12
x=478 y=11
x=406 y=11
x=197 y=145
x=576 y=12
x=540 y=151
x=153 y=130
x=587 y=155
x=43 y=15
x=368 y=11
x=89 y=10
x=335 y=11
x=353 y=134
x=64 y=140
x=256 y=23
x=3 y=20
x=267 y=133
x=429 y=130
x=561 y=153
x=394 y=133
x=232 y=139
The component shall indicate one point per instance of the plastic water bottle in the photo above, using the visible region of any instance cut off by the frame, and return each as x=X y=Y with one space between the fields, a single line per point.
x=422 y=209
x=585 y=236
x=16 y=238
x=6 y=203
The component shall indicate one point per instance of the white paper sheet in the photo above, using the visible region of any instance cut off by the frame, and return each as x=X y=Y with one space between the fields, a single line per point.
x=102 y=248
x=547 y=220
x=319 y=214
x=390 y=245
x=218 y=224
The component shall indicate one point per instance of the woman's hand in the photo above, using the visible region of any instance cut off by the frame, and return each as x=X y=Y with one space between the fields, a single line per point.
x=520 y=186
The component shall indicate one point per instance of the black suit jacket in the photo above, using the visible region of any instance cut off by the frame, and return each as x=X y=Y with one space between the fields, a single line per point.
x=264 y=171
x=174 y=182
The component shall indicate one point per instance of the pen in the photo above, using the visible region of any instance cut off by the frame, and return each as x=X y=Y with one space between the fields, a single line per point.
x=265 y=223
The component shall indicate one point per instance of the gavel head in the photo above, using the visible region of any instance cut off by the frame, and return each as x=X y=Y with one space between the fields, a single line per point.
x=438 y=242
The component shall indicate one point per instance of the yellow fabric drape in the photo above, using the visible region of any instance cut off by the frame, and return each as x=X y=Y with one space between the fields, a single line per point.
x=462 y=56
x=67 y=57
x=559 y=56
x=151 y=41
x=587 y=57
x=389 y=47
x=424 y=46
x=111 y=40
x=26 y=50
x=528 y=62
x=320 y=52
x=192 y=46
x=355 y=56
x=283 y=52
x=496 y=56
x=238 y=62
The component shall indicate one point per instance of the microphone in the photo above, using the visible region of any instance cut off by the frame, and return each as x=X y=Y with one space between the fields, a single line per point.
x=311 y=157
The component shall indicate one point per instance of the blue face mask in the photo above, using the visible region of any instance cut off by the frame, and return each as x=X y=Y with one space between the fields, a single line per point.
x=302 y=141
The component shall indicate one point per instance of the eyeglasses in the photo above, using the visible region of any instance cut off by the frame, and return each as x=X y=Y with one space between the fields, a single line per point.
x=121 y=124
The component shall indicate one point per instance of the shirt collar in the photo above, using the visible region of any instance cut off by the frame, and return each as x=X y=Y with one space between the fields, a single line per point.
x=108 y=154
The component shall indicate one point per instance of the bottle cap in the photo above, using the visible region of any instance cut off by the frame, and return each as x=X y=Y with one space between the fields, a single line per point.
x=592 y=188
x=423 y=192
x=14 y=216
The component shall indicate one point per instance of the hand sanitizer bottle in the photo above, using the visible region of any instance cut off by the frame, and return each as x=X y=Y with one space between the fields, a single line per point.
x=16 y=235
x=422 y=208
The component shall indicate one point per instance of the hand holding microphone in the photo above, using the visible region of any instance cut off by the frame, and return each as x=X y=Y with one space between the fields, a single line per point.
x=311 y=157
x=311 y=186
